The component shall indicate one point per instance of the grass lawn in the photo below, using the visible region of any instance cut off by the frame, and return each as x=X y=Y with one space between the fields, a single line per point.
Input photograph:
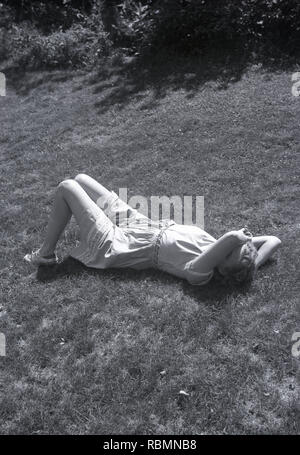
x=85 y=348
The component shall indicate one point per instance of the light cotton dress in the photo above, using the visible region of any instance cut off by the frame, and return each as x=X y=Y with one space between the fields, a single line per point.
x=118 y=236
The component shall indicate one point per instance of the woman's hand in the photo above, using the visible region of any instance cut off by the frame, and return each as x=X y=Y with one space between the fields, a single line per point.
x=266 y=246
x=243 y=235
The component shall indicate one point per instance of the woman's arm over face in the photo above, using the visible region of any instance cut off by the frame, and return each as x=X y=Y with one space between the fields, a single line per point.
x=215 y=255
x=266 y=246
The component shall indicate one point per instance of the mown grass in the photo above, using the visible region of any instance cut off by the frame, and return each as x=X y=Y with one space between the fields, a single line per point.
x=86 y=349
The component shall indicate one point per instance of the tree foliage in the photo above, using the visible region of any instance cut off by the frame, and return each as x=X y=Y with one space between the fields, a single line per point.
x=80 y=30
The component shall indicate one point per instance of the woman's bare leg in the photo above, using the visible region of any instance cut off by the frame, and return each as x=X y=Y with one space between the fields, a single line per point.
x=70 y=198
x=103 y=197
x=97 y=192
x=59 y=218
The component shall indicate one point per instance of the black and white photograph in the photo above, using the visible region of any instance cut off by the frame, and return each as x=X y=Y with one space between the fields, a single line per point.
x=150 y=220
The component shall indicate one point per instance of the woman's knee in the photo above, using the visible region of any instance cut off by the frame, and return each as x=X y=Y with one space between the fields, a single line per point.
x=67 y=185
x=81 y=178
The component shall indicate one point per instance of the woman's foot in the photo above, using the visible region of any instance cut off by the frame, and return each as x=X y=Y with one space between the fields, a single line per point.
x=35 y=258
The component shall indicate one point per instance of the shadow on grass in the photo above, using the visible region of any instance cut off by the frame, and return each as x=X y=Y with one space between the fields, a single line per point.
x=71 y=267
x=117 y=81
x=121 y=77
x=119 y=84
x=24 y=83
x=214 y=293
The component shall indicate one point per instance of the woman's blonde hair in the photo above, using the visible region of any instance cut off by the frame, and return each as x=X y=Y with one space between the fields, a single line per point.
x=246 y=273
x=242 y=274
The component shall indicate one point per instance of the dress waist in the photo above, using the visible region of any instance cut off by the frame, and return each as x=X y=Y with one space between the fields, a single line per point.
x=164 y=226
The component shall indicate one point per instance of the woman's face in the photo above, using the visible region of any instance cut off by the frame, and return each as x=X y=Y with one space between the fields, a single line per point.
x=235 y=260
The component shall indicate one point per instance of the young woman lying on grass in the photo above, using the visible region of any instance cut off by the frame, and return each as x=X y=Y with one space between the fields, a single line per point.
x=137 y=242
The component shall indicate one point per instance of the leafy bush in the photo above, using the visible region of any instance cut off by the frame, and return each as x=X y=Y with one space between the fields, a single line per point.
x=48 y=16
x=6 y=18
x=275 y=23
x=80 y=45
x=79 y=32
x=200 y=24
x=76 y=47
x=134 y=22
